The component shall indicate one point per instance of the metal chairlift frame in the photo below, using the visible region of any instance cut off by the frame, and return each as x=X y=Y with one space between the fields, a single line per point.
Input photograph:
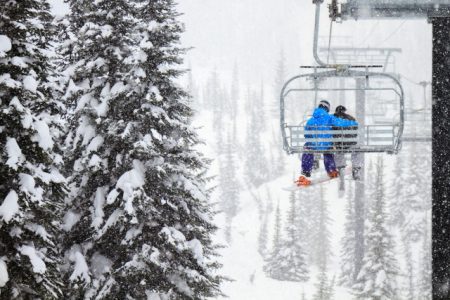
x=339 y=71
x=364 y=146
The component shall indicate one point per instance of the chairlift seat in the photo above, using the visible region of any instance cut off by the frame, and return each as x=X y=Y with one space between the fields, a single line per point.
x=384 y=137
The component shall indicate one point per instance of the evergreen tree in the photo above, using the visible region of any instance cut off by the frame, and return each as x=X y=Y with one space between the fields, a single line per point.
x=255 y=168
x=234 y=94
x=348 y=244
x=141 y=222
x=377 y=277
x=292 y=255
x=263 y=237
x=229 y=188
x=324 y=288
x=409 y=199
x=410 y=286
x=280 y=78
x=259 y=108
x=272 y=266
x=192 y=89
x=424 y=285
x=31 y=186
x=234 y=106
x=278 y=159
x=308 y=221
x=321 y=235
x=211 y=92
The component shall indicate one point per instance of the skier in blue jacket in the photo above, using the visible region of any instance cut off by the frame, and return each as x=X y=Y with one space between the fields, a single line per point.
x=320 y=121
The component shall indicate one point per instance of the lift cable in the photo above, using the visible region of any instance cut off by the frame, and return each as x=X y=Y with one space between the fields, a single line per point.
x=393 y=33
x=370 y=33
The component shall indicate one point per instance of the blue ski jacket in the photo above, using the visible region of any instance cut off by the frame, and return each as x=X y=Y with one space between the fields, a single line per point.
x=321 y=120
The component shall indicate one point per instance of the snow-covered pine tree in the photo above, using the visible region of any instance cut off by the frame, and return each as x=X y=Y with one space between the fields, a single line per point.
x=279 y=80
x=255 y=166
x=229 y=188
x=211 y=92
x=234 y=94
x=32 y=190
x=272 y=267
x=265 y=209
x=139 y=223
x=219 y=121
x=424 y=284
x=234 y=106
x=348 y=244
x=377 y=277
x=409 y=203
x=192 y=89
x=307 y=221
x=321 y=235
x=263 y=236
x=277 y=158
x=409 y=289
x=324 y=287
x=292 y=257
x=259 y=108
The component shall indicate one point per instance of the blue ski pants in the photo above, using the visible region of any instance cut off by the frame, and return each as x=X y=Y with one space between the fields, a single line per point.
x=308 y=161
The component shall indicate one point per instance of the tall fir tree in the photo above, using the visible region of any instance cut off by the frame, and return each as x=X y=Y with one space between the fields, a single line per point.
x=377 y=277
x=211 y=92
x=321 y=235
x=140 y=223
x=229 y=188
x=32 y=190
x=348 y=243
x=192 y=89
x=308 y=221
x=324 y=287
x=410 y=285
x=292 y=257
x=263 y=236
x=255 y=167
x=234 y=94
x=409 y=198
x=425 y=270
x=279 y=80
x=272 y=265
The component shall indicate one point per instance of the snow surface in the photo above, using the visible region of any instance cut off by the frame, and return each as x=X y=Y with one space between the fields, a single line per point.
x=10 y=206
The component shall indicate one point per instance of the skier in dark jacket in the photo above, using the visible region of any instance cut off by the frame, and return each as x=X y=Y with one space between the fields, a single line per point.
x=340 y=161
x=321 y=121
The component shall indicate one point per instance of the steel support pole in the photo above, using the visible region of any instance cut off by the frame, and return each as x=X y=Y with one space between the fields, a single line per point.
x=360 y=107
x=441 y=159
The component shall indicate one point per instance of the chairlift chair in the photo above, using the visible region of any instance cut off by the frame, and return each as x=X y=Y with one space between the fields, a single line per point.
x=373 y=138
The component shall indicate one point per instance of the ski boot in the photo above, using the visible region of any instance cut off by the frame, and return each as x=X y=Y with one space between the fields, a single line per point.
x=333 y=174
x=303 y=180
